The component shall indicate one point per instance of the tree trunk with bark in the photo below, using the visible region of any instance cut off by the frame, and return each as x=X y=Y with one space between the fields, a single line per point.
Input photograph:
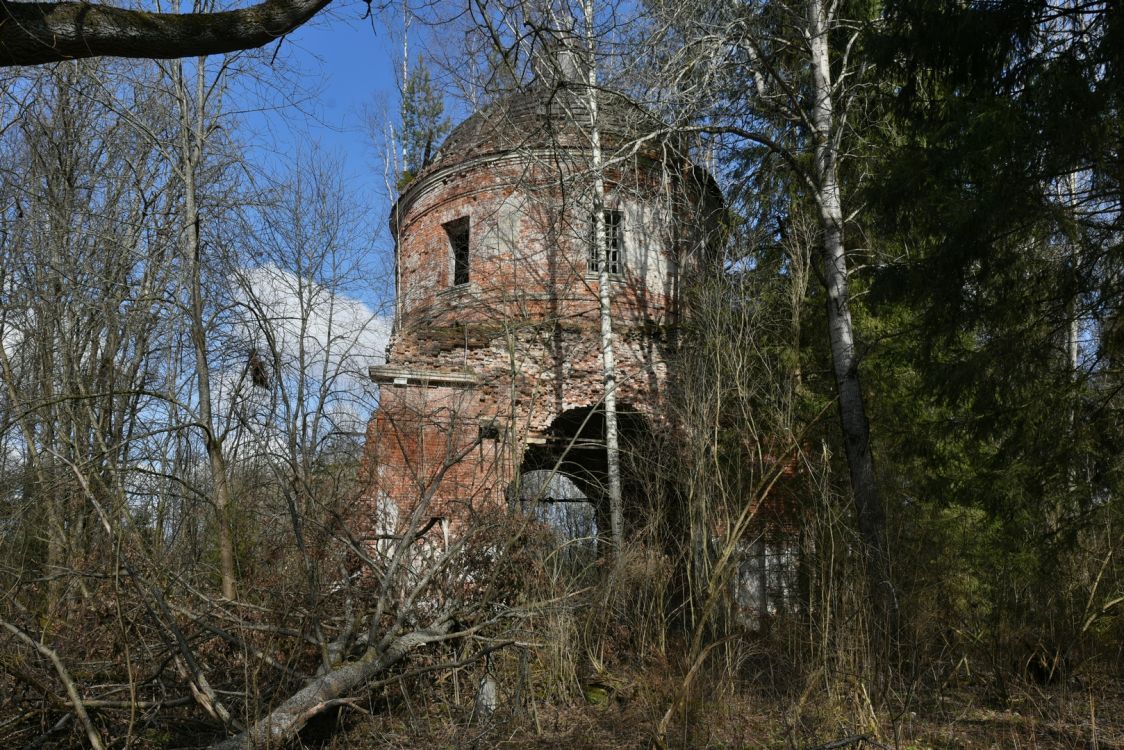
x=604 y=296
x=193 y=140
x=845 y=360
x=38 y=33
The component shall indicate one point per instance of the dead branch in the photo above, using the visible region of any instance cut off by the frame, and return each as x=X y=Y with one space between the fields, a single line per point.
x=71 y=690
x=856 y=739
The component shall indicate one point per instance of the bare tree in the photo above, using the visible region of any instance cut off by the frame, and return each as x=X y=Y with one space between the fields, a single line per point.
x=77 y=332
x=196 y=127
x=308 y=344
x=154 y=318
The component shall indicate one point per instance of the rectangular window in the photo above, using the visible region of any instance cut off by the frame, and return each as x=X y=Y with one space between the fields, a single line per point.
x=612 y=244
x=458 y=249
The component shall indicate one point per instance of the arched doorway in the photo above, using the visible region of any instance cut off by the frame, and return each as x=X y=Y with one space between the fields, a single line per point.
x=570 y=464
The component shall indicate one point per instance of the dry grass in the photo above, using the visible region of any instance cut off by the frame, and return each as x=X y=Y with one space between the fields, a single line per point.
x=1073 y=717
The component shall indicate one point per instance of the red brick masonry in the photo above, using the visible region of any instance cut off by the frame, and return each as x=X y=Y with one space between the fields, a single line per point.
x=477 y=372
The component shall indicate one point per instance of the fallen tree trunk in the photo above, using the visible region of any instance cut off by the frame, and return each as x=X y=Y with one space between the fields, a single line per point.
x=284 y=722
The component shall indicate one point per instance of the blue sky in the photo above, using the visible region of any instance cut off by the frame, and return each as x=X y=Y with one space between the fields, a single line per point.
x=355 y=60
x=331 y=77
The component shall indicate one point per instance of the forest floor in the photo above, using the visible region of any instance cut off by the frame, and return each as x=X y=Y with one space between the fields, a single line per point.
x=1073 y=717
x=1032 y=717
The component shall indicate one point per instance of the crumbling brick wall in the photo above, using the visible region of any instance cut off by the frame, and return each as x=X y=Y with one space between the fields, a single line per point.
x=475 y=372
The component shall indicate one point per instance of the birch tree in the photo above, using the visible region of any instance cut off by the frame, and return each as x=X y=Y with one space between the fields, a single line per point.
x=601 y=246
x=827 y=130
x=803 y=85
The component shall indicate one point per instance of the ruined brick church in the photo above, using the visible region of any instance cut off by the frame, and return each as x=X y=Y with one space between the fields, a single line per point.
x=494 y=370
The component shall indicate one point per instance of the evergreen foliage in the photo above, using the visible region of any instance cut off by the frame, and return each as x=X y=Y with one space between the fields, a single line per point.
x=997 y=199
x=424 y=123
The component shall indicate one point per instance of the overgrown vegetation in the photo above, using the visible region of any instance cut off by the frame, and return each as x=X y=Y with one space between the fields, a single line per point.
x=188 y=553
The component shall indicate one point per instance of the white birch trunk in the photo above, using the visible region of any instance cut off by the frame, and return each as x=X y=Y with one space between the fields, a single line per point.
x=608 y=363
x=852 y=410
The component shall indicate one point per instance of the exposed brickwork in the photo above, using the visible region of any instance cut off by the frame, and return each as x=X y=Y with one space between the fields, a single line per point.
x=475 y=372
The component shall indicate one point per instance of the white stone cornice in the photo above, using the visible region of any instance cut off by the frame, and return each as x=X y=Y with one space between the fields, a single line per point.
x=397 y=375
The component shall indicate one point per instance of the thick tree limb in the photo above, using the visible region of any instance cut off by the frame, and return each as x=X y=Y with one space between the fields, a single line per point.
x=37 y=33
x=283 y=723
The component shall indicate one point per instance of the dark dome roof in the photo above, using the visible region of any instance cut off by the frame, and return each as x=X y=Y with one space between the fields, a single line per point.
x=544 y=116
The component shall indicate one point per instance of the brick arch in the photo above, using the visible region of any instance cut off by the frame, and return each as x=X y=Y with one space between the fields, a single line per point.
x=574 y=446
x=494 y=371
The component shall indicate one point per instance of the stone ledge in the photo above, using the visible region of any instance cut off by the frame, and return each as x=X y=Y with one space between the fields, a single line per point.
x=392 y=375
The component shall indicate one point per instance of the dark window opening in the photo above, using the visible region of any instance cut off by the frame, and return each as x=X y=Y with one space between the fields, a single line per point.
x=489 y=430
x=611 y=245
x=458 y=247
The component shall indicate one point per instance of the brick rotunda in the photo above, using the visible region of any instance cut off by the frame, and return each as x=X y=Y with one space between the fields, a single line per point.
x=494 y=366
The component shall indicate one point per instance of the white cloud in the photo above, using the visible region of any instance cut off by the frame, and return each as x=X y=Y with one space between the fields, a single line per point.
x=328 y=338
x=332 y=326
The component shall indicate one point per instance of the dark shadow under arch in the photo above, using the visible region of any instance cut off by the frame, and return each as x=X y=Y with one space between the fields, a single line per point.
x=575 y=448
